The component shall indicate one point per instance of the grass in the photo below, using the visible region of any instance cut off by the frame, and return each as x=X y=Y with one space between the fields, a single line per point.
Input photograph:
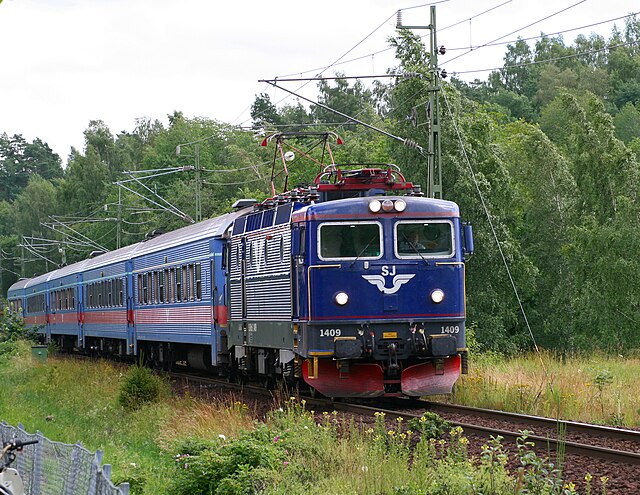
x=75 y=401
x=183 y=445
x=596 y=388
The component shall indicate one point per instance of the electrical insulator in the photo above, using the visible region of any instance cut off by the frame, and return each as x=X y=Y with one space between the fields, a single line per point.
x=411 y=74
x=410 y=143
x=443 y=74
x=442 y=50
x=399 y=19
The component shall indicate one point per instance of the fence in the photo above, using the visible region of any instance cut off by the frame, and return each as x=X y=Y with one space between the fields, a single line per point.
x=54 y=468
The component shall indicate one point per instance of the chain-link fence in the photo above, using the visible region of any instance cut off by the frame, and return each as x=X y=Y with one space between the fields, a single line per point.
x=54 y=468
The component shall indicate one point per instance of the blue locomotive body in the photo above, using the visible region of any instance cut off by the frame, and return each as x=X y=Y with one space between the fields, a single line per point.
x=367 y=297
x=355 y=286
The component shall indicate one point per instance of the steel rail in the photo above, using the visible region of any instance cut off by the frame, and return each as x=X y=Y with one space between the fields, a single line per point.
x=572 y=426
x=551 y=444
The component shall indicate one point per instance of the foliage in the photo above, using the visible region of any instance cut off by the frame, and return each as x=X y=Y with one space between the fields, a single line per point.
x=226 y=468
x=429 y=425
x=12 y=334
x=20 y=160
x=587 y=387
x=140 y=386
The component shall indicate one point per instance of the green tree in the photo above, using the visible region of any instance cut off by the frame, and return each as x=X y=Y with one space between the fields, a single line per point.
x=7 y=219
x=264 y=113
x=85 y=184
x=354 y=101
x=518 y=75
x=491 y=302
x=19 y=160
x=31 y=208
x=602 y=166
x=545 y=212
x=603 y=260
x=34 y=205
x=591 y=50
x=295 y=117
x=627 y=123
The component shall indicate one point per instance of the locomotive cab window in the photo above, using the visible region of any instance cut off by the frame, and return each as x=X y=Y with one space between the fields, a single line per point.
x=362 y=240
x=424 y=239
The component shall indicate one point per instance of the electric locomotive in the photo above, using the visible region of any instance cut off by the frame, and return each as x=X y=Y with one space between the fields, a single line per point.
x=362 y=293
x=353 y=285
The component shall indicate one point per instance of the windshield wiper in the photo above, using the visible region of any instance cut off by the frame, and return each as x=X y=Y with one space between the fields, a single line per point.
x=363 y=250
x=415 y=249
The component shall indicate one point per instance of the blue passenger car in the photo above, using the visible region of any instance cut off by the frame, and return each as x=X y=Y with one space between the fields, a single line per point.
x=16 y=298
x=37 y=303
x=64 y=311
x=179 y=293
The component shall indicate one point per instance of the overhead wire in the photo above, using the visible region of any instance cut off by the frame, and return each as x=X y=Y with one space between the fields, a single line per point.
x=314 y=71
x=342 y=56
x=546 y=35
x=447 y=27
x=495 y=235
x=555 y=59
x=517 y=30
x=257 y=179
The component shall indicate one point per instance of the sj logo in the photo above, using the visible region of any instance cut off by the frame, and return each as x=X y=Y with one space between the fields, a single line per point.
x=380 y=282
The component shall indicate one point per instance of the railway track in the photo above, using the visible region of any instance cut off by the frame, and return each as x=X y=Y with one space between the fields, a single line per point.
x=549 y=434
x=594 y=441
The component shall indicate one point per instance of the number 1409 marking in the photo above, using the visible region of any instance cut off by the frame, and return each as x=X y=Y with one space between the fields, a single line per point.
x=450 y=329
x=330 y=332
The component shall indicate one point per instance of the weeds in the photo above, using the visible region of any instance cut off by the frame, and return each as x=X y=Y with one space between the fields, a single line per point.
x=594 y=389
x=140 y=386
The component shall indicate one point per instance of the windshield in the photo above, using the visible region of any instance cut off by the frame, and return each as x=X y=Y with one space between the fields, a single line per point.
x=416 y=239
x=350 y=241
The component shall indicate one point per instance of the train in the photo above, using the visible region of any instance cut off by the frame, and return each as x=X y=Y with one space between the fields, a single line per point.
x=351 y=286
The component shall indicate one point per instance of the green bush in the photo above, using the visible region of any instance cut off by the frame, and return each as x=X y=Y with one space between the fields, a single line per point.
x=238 y=468
x=140 y=386
x=430 y=425
x=12 y=329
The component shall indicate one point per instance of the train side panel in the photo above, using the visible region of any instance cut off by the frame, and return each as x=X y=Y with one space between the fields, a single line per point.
x=16 y=298
x=103 y=301
x=260 y=280
x=172 y=295
x=64 y=315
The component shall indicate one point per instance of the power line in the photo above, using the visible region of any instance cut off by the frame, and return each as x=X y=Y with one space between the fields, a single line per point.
x=338 y=60
x=372 y=54
x=234 y=183
x=474 y=16
x=547 y=35
x=564 y=57
x=340 y=57
x=239 y=169
x=407 y=142
x=513 y=32
x=493 y=230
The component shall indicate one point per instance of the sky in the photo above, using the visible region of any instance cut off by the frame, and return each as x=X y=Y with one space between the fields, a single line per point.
x=67 y=62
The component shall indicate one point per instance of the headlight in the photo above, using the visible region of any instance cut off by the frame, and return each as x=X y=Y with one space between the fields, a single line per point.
x=341 y=298
x=400 y=205
x=437 y=296
x=374 y=206
x=387 y=205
